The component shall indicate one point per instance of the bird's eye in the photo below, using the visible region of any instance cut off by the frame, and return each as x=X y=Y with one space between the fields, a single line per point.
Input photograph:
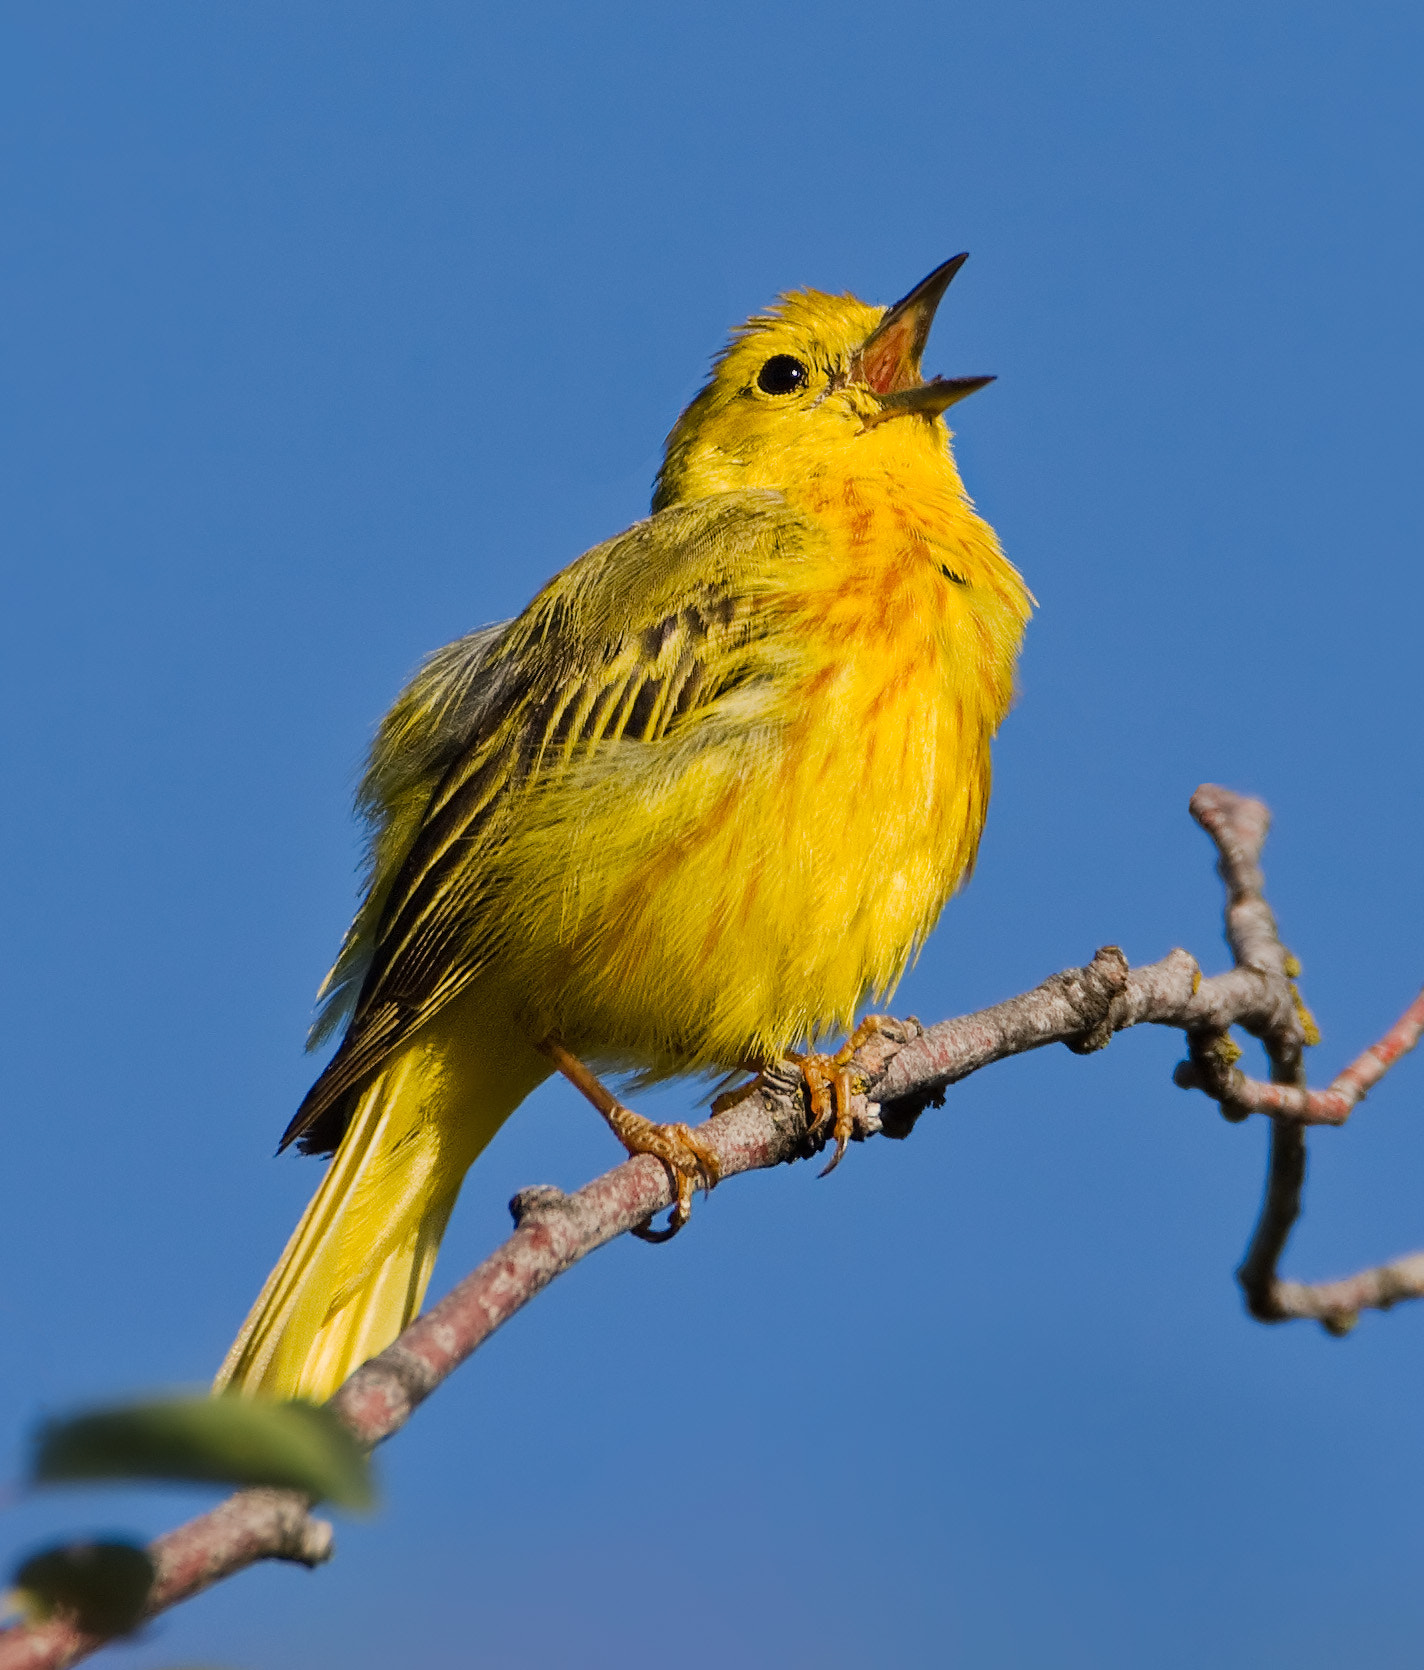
x=782 y=374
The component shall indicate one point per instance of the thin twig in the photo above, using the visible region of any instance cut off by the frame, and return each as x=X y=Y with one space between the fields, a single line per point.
x=902 y=1071
x=1239 y=827
x=1228 y=1085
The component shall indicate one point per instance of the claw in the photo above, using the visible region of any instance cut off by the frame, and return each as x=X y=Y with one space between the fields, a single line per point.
x=645 y=1231
x=831 y=1085
x=690 y=1163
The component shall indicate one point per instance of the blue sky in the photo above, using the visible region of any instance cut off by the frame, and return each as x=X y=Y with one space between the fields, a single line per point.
x=330 y=332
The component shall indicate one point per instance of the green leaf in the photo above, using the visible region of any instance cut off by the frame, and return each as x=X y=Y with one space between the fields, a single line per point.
x=219 y=1440
x=102 y=1585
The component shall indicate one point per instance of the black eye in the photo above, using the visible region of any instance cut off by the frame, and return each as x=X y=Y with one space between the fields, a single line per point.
x=782 y=375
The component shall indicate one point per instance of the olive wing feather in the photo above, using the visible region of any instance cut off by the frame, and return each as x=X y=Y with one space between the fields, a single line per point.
x=634 y=642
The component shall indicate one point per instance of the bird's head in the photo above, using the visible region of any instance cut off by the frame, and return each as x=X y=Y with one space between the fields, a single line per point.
x=816 y=384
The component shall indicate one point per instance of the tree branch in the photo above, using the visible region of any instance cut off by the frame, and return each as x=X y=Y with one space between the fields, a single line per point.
x=902 y=1071
x=1228 y=1085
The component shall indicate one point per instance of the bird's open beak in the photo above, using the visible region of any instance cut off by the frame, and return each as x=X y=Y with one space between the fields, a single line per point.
x=889 y=358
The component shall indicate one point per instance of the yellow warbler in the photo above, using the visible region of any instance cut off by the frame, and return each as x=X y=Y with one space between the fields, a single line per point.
x=699 y=802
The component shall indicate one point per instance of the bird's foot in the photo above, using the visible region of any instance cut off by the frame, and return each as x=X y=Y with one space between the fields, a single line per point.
x=832 y=1084
x=690 y=1163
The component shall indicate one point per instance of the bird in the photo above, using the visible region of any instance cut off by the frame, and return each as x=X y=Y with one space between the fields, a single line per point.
x=687 y=814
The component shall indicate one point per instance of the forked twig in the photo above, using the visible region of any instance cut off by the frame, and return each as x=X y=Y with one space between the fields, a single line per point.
x=1239 y=1094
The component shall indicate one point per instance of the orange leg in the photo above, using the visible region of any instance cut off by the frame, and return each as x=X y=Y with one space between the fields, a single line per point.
x=690 y=1163
x=739 y=1093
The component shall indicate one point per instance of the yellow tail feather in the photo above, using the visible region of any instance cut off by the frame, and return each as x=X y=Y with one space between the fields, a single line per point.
x=356 y=1268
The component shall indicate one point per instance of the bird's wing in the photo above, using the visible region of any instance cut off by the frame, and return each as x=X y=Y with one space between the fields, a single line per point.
x=451 y=700
x=634 y=642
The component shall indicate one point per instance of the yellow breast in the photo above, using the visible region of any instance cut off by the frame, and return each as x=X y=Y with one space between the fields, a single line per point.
x=919 y=617
x=823 y=848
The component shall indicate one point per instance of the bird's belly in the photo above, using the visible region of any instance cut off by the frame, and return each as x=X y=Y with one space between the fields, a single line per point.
x=812 y=869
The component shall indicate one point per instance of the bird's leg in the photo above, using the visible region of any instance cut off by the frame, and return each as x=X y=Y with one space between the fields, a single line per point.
x=728 y=1099
x=831 y=1084
x=690 y=1163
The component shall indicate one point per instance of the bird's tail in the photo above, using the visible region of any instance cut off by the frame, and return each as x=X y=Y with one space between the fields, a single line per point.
x=356 y=1268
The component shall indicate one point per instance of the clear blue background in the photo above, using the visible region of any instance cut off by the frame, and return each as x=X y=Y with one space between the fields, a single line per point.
x=330 y=332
